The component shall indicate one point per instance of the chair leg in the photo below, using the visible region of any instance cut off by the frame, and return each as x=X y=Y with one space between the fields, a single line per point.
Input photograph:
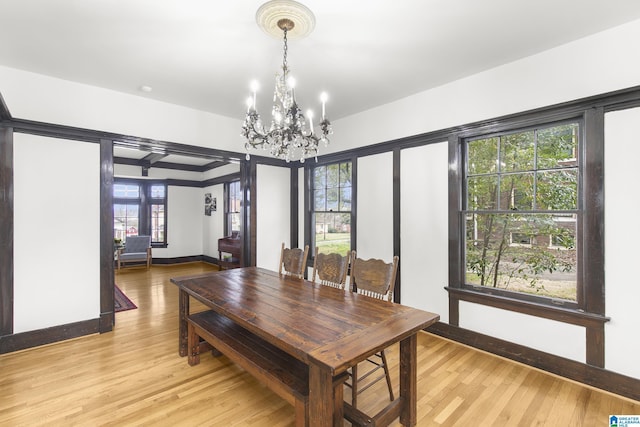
x=386 y=373
x=354 y=386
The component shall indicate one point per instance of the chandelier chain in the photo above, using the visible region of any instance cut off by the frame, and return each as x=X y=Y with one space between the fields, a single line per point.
x=284 y=56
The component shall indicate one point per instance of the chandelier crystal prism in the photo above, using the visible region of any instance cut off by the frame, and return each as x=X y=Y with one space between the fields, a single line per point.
x=289 y=136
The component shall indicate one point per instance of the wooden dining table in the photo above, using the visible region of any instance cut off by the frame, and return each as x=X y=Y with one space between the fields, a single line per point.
x=328 y=329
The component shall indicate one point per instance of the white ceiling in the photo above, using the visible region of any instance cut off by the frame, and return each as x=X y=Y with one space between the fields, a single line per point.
x=204 y=53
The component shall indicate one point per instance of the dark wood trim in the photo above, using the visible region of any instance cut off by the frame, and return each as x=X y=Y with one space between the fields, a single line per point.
x=6 y=231
x=221 y=180
x=183 y=183
x=248 y=176
x=168 y=165
x=184 y=259
x=611 y=101
x=306 y=201
x=455 y=226
x=107 y=311
x=592 y=249
x=593 y=217
x=272 y=161
x=119 y=140
x=559 y=314
x=397 y=244
x=226 y=192
x=5 y=114
x=210 y=260
x=354 y=202
x=294 y=208
x=571 y=369
x=40 y=337
x=189 y=183
x=454 y=311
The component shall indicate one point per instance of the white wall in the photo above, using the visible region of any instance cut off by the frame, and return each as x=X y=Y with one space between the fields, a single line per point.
x=273 y=203
x=185 y=209
x=375 y=207
x=424 y=228
x=622 y=204
x=56 y=232
x=589 y=66
x=47 y=99
x=557 y=338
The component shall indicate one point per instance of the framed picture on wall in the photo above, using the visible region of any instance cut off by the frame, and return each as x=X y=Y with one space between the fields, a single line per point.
x=210 y=204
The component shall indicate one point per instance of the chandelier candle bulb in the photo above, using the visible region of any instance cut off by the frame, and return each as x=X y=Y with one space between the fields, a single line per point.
x=323 y=99
x=254 y=88
x=310 y=115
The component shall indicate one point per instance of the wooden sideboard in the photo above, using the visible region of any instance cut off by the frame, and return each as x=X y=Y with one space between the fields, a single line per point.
x=230 y=252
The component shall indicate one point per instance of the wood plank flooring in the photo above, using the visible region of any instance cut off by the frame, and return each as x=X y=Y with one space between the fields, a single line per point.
x=134 y=376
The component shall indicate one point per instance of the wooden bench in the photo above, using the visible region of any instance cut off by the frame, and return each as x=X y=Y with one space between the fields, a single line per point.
x=285 y=375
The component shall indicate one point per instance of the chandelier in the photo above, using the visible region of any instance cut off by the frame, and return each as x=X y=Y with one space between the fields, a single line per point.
x=289 y=136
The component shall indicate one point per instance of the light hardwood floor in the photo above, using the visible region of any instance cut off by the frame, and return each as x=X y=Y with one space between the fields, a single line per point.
x=134 y=376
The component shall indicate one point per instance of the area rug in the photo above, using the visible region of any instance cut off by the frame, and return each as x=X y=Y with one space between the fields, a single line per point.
x=121 y=301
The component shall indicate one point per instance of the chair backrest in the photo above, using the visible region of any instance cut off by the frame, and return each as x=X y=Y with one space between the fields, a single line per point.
x=331 y=269
x=135 y=244
x=373 y=277
x=293 y=261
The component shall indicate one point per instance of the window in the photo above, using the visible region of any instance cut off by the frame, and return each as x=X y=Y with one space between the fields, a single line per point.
x=521 y=208
x=232 y=207
x=331 y=206
x=157 y=201
x=126 y=210
x=139 y=208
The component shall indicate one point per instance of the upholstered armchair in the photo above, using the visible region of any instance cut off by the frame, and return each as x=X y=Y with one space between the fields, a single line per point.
x=136 y=249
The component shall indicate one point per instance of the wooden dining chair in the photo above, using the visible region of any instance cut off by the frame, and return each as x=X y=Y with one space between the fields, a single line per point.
x=374 y=278
x=293 y=261
x=331 y=269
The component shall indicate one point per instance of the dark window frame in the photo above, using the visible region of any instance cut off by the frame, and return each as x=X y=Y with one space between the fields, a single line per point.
x=228 y=194
x=578 y=211
x=310 y=211
x=145 y=201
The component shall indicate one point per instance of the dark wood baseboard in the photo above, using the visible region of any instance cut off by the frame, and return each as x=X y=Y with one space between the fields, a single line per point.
x=577 y=371
x=24 y=340
x=183 y=259
x=210 y=260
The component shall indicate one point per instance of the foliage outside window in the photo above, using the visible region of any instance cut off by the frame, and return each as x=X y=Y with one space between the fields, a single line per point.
x=521 y=211
x=139 y=208
x=233 y=207
x=331 y=196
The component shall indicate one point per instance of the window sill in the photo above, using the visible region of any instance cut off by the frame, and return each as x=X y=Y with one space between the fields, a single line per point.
x=560 y=314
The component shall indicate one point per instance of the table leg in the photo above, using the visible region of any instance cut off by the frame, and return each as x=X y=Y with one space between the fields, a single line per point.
x=325 y=398
x=409 y=380
x=183 y=312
